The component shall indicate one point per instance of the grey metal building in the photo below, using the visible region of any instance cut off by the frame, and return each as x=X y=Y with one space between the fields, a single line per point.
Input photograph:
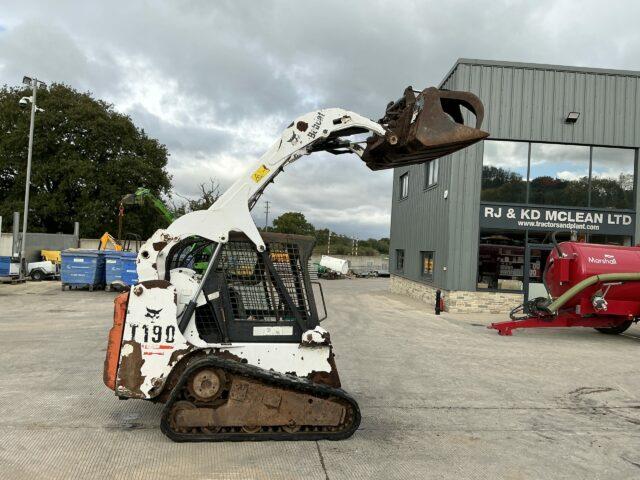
x=562 y=155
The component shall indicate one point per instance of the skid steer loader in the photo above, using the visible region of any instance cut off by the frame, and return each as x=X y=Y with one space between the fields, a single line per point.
x=238 y=353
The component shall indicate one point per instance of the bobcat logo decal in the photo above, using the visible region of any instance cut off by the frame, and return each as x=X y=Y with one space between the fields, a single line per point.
x=295 y=139
x=153 y=314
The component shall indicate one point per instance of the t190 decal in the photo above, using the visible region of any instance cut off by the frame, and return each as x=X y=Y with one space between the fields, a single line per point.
x=153 y=333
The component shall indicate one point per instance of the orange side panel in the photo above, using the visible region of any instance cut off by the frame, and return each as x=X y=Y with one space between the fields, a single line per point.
x=115 y=341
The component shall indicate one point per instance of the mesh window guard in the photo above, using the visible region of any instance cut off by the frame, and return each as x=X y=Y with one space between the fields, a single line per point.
x=253 y=292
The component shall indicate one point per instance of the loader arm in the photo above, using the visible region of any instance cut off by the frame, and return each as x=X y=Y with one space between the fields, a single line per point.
x=422 y=126
x=319 y=130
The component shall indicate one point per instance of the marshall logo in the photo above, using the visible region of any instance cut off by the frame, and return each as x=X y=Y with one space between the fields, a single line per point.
x=153 y=314
x=606 y=260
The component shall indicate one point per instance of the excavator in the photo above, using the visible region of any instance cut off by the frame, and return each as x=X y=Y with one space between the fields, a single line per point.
x=237 y=353
x=138 y=198
x=107 y=239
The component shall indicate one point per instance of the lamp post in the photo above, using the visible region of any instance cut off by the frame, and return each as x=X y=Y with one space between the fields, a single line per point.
x=34 y=83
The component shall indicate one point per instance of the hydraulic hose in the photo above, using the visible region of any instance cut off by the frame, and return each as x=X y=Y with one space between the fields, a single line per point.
x=587 y=282
x=555 y=242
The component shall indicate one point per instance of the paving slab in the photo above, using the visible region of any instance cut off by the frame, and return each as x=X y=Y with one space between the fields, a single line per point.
x=441 y=397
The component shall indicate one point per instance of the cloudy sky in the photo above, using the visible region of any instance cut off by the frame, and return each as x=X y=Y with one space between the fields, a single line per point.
x=216 y=81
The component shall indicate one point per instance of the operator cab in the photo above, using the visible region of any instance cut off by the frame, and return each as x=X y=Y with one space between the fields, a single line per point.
x=253 y=296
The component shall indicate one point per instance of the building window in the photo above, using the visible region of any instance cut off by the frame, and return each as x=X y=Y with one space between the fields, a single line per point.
x=404 y=186
x=504 y=172
x=559 y=175
x=612 y=177
x=501 y=260
x=399 y=260
x=431 y=173
x=427 y=265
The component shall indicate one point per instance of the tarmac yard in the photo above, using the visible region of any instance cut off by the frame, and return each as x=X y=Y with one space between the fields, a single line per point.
x=441 y=397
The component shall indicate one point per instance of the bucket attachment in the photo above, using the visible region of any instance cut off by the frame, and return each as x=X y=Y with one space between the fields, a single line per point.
x=424 y=126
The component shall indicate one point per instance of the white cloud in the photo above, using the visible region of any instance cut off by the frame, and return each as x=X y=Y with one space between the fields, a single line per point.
x=217 y=81
x=567 y=175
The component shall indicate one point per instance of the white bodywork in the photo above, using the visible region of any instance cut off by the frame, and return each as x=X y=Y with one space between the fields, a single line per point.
x=48 y=268
x=152 y=343
x=336 y=264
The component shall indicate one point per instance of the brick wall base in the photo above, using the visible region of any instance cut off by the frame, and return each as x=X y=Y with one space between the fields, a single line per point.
x=457 y=301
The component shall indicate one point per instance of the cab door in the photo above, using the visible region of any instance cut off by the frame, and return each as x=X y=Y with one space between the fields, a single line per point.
x=261 y=296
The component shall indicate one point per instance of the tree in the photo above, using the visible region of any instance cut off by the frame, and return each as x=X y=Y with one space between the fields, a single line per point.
x=209 y=193
x=86 y=157
x=501 y=185
x=343 y=244
x=293 y=222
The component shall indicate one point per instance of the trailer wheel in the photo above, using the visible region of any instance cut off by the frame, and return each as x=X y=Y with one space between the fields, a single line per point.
x=37 y=275
x=616 y=330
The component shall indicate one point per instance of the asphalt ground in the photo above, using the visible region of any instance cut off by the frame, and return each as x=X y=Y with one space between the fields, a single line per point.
x=441 y=397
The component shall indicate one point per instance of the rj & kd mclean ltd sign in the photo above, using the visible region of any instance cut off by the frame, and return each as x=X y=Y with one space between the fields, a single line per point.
x=514 y=217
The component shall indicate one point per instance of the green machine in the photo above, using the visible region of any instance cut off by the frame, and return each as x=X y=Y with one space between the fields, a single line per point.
x=139 y=197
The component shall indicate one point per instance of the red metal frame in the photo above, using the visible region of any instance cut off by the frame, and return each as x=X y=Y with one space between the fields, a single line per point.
x=563 y=319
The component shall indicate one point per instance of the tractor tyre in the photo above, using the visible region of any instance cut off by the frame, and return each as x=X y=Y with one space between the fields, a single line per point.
x=616 y=330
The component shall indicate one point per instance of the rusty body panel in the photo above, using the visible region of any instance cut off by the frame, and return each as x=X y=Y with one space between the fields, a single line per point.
x=115 y=341
x=130 y=377
x=423 y=127
x=331 y=378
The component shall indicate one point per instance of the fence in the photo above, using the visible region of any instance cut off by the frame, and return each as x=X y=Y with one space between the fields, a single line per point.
x=37 y=242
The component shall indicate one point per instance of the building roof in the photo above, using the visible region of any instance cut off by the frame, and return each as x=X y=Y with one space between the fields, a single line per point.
x=537 y=66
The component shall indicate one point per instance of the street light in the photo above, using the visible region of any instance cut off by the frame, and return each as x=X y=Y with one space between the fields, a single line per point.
x=34 y=83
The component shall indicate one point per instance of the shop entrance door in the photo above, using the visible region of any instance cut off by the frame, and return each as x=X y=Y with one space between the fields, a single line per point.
x=535 y=257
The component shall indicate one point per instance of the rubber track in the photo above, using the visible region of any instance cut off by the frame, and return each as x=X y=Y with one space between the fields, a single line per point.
x=302 y=385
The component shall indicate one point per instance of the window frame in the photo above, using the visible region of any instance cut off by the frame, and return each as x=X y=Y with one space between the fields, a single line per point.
x=399 y=255
x=428 y=169
x=527 y=180
x=403 y=195
x=423 y=254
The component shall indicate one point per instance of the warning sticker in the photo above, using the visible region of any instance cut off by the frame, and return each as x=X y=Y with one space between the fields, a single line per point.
x=259 y=173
